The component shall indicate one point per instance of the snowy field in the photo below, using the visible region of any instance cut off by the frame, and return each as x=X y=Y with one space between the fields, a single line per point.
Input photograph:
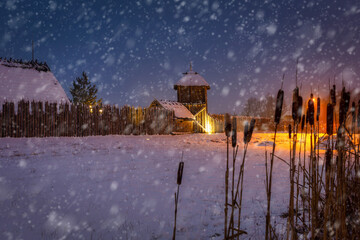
x=122 y=187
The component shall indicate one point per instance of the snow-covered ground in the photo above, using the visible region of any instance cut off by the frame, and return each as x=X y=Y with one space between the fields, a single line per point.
x=122 y=187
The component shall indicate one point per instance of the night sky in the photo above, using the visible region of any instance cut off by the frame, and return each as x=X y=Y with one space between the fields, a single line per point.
x=136 y=50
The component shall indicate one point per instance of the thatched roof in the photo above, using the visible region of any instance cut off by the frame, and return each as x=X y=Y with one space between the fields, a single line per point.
x=29 y=81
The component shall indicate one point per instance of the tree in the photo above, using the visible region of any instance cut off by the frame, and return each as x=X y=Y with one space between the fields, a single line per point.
x=268 y=107
x=252 y=107
x=264 y=107
x=84 y=92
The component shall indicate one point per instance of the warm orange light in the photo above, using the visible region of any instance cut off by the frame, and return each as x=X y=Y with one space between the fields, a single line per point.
x=208 y=128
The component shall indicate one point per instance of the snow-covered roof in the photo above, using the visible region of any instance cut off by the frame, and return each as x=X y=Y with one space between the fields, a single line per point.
x=179 y=109
x=29 y=81
x=192 y=78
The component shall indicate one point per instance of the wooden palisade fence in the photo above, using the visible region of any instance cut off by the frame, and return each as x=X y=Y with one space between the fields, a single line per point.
x=204 y=120
x=38 y=119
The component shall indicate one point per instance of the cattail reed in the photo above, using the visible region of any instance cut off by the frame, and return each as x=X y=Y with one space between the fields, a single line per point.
x=289 y=131
x=278 y=110
x=234 y=133
x=344 y=106
x=237 y=203
x=296 y=116
x=330 y=199
x=333 y=95
x=318 y=126
x=329 y=119
x=229 y=229
x=311 y=110
x=227 y=133
x=312 y=166
x=300 y=109
x=250 y=131
x=227 y=125
x=246 y=131
x=279 y=104
x=307 y=116
x=317 y=158
x=295 y=104
x=341 y=191
x=180 y=173
x=299 y=167
x=179 y=179
x=303 y=120
x=318 y=110
x=290 y=224
x=234 y=145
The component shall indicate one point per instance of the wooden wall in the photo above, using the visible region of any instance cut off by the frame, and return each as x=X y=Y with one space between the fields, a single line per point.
x=195 y=107
x=38 y=119
x=192 y=94
x=183 y=125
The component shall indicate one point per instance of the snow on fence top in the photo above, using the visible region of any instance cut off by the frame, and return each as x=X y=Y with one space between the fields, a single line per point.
x=29 y=81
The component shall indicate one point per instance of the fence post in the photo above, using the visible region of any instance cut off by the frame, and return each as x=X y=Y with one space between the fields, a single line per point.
x=12 y=120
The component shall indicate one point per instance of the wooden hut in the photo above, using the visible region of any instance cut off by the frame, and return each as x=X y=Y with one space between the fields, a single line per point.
x=184 y=119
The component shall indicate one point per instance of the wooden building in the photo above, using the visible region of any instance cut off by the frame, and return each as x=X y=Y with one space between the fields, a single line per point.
x=192 y=90
x=184 y=119
x=192 y=96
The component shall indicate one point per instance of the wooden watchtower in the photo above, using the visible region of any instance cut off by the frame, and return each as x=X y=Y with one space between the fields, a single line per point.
x=192 y=91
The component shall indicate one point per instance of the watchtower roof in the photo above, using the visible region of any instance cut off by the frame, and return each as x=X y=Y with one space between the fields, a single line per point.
x=192 y=78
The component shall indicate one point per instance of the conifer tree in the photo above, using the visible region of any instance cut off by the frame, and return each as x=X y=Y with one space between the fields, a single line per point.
x=84 y=92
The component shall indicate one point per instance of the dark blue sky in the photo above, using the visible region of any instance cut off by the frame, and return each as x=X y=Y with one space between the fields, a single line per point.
x=137 y=50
